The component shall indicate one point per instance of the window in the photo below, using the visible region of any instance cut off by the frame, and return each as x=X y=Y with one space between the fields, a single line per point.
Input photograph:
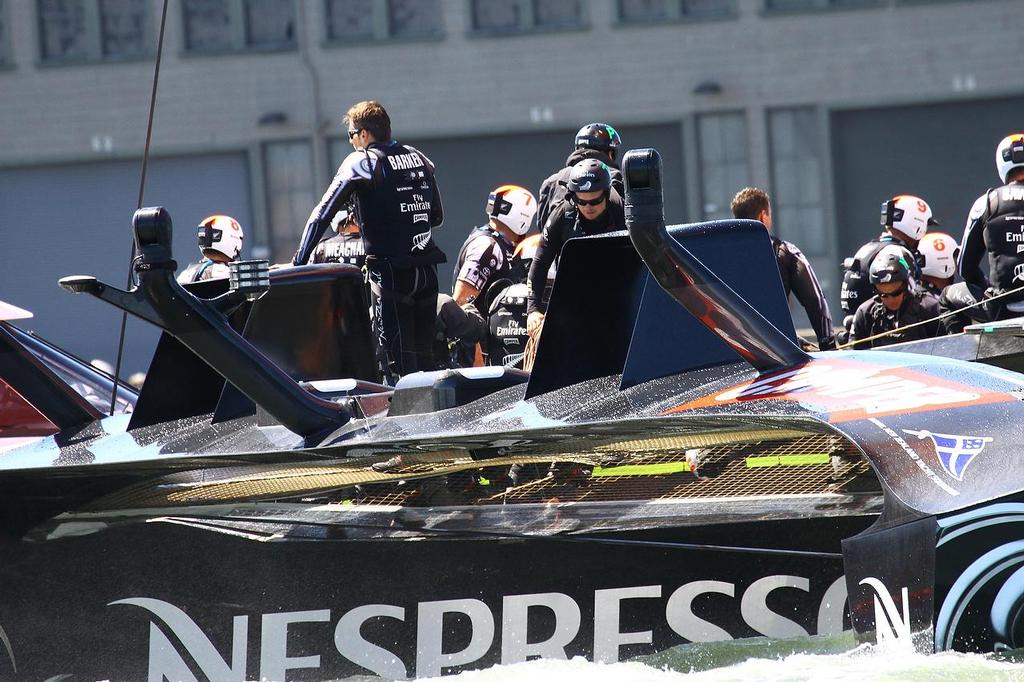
x=657 y=11
x=363 y=20
x=803 y=5
x=220 y=26
x=798 y=211
x=521 y=16
x=288 y=172
x=77 y=31
x=724 y=163
x=5 y=36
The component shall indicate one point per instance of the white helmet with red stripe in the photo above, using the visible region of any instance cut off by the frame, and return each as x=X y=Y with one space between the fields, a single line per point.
x=222 y=234
x=939 y=253
x=513 y=207
x=909 y=214
x=1010 y=154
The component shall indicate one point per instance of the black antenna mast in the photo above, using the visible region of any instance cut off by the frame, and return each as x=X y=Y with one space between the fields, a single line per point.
x=142 y=187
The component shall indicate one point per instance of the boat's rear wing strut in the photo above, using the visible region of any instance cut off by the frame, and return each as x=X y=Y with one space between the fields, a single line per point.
x=200 y=326
x=689 y=281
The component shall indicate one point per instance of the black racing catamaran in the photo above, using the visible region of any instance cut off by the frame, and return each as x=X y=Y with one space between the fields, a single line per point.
x=263 y=509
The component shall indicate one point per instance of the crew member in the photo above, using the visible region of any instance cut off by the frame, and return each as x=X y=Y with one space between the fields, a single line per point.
x=593 y=141
x=220 y=241
x=996 y=226
x=937 y=253
x=486 y=256
x=797 y=274
x=397 y=202
x=895 y=306
x=592 y=207
x=458 y=330
x=346 y=245
x=905 y=219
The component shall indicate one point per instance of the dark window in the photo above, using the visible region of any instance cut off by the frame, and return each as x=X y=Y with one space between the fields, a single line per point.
x=217 y=26
x=520 y=16
x=653 y=11
x=288 y=173
x=798 y=205
x=362 y=20
x=93 y=30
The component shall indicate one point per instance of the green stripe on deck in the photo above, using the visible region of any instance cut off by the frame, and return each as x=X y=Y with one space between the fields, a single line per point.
x=642 y=469
x=787 y=460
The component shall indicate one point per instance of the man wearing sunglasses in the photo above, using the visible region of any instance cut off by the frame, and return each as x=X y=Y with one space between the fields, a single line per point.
x=592 y=206
x=396 y=201
x=897 y=307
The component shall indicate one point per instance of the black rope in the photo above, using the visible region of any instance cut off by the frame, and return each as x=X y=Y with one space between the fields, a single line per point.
x=142 y=187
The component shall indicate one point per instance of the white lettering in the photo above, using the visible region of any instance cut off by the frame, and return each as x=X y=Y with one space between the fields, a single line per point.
x=607 y=637
x=830 y=611
x=430 y=656
x=274 y=658
x=349 y=642
x=1013 y=194
x=515 y=644
x=891 y=625
x=405 y=161
x=755 y=611
x=679 y=611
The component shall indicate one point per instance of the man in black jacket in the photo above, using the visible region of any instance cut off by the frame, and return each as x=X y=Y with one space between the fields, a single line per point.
x=592 y=207
x=797 y=275
x=895 y=309
x=593 y=141
x=397 y=202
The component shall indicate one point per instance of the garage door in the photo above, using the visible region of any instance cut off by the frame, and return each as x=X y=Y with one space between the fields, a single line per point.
x=76 y=219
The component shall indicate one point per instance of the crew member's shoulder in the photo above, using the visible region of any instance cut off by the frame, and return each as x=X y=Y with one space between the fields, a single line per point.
x=358 y=164
x=978 y=208
x=426 y=159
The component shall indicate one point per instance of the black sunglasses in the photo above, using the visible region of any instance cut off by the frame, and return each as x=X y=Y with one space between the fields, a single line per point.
x=592 y=202
x=893 y=294
x=353 y=133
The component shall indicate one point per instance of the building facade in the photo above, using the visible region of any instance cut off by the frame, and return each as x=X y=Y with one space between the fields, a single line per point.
x=833 y=105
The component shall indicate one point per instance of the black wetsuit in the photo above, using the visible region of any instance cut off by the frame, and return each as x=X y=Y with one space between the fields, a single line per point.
x=798 y=277
x=397 y=202
x=872 y=317
x=553 y=189
x=458 y=330
x=996 y=226
x=484 y=260
x=203 y=270
x=566 y=222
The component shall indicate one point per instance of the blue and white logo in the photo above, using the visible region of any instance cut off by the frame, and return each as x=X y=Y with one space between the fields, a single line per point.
x=955 y=452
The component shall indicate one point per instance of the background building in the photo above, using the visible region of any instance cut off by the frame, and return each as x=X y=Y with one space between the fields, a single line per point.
x=833 y=105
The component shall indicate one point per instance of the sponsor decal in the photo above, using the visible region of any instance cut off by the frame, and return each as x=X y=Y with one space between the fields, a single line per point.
x=1020 y=247
x=892 y=624
x=418 y=203
x=849 y=390
x=1013 y=194
x=584 y=186
x=921 y=464
x=512 y=359
x=955 y=452
x=1018 y=272
x=177 y=644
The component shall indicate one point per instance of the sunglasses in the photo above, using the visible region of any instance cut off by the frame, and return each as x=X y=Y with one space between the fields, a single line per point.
x=353 y=133
x=584 y=202
x=894 y=294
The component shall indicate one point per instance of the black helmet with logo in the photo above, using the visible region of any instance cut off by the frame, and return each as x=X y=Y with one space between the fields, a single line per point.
x=589 y=175
x=598 y=136
x=889 y=267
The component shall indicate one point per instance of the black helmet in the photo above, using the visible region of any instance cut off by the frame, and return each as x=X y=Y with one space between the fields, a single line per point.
x=889 y=267
x=589 y=175
x=598 y=136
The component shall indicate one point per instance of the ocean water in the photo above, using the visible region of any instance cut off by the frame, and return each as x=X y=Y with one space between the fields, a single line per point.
x=833 y=659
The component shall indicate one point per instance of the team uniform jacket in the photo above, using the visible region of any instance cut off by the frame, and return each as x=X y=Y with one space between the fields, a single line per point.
x=857 y=286
x=798 y=277
x=341 y=248
x=203 y=270
x=996 y=226
x=396 y=200
x=872 y=317
x=484 y=259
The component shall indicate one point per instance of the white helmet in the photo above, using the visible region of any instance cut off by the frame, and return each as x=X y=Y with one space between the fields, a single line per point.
x=513 y=207
x=909 y=214
x=222 y=234
x=1010 y=154
x=939 y=253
